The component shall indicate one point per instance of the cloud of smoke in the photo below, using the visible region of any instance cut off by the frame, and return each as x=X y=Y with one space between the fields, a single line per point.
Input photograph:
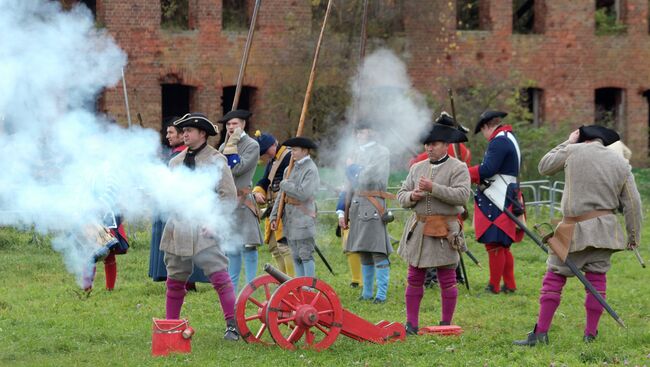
x=383 y=96
x=64 y=166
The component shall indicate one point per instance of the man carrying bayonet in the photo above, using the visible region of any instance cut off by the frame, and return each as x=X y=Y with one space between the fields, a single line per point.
x=266 y=191
x=368 y=173
x=598 y=181
x=436 y=190
x=498 y=173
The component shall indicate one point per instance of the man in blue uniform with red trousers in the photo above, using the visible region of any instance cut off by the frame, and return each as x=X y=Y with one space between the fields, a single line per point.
x=497 y=175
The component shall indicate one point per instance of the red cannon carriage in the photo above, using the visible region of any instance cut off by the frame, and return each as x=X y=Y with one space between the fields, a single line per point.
x=275 y=308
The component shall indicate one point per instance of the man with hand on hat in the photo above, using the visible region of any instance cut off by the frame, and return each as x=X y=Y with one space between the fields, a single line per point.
x=242 y=152
x=436 y=190
x=598 y=181
x=187 y=243
x=497 y=177
x=368 y=174
x=299 y=215
x=266 y=192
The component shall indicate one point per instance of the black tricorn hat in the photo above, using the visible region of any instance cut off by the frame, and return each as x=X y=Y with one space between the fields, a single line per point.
x=199 y=121
x=301 y=142
x=448 y=120
x=486 y=117
x=444 y=133
x=236 y=114
x=590 y=132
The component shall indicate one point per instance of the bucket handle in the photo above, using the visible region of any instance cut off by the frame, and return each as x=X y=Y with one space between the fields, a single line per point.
x=184 y=323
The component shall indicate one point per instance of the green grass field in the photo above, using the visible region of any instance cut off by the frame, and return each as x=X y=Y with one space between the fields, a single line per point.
x=43 y=322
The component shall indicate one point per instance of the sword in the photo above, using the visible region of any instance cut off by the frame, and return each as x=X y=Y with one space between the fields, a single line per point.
x=638 y=256
x=473 y=258
x=463 y=270
x=574 y=269
x=327 y=264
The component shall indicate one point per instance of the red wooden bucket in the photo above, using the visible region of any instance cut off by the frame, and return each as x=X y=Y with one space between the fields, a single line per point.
x=170 y=336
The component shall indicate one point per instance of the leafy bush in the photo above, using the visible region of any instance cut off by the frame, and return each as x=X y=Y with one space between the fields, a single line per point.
x=607 y=24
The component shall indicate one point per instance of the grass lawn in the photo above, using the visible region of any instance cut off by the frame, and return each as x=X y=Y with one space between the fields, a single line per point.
x=43 y=322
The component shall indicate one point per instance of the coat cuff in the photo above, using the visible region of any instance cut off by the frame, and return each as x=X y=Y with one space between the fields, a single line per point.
x=259 y=189
x=474 y=176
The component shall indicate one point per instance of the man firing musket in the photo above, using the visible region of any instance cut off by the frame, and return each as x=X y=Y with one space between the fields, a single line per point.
x=598 y=181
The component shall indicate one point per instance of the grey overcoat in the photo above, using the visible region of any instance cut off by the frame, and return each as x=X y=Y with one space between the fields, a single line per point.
x=451 y=190
x=368 y=232
x=596 y=178
x=298 y=221
x=183 y=238
x=248 y=222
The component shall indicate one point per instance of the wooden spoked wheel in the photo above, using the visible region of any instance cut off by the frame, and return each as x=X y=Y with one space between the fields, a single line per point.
x=304 y=312
x=250 y=309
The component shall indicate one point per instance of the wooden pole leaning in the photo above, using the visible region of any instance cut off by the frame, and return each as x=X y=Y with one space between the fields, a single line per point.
x=247 y=50
x=305 y=104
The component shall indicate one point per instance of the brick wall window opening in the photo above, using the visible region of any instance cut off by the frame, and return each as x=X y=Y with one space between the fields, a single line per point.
x=175 y=15
x=92 y=5
x=236 y=15
x=533 y=100
x=610 y=108
x=473 y=15
x=177 y=100
x=528 y=16
x=610 y=17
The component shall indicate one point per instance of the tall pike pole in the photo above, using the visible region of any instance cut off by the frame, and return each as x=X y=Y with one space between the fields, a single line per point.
x=247 y=50
x=303 y=116
x=126 y=99
x=305 y=104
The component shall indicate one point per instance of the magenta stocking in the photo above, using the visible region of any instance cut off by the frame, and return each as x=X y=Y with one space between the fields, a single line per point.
x=593 y=308
x=413 y=294
x=448 y=293
x=223 y=285
x=549 y=300
x=175 y=296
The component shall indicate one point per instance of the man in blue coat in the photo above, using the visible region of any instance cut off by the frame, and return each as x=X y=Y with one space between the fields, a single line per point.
x=497 y=177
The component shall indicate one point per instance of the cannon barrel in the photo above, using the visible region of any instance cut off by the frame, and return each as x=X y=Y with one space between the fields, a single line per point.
x=275 y=273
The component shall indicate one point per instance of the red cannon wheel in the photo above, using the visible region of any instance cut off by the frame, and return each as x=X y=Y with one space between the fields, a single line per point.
x=304 y=307
x=250 y=309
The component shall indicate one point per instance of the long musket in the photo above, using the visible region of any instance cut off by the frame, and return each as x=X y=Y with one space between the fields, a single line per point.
x=247 y=50
x=572 y=266
x=126 y=99
x=305 y=104
x=457 y=154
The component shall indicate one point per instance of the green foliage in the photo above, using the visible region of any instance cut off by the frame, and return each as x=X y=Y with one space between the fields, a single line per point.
x=234 y=15
x=385 y=17
x=174 y=14
x=607 y=23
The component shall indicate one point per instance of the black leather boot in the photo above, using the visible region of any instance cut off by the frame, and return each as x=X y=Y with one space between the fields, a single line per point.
x=232 y=334
x=411 y=330
x=588 y=338
x=533 y=339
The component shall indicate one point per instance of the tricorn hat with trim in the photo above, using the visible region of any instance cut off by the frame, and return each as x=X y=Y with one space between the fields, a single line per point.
x=447 y=119
x=199 y=121
x=486 y=117
x=236 y=114
x=445 y=133
x=301 y=142
x=590 y=132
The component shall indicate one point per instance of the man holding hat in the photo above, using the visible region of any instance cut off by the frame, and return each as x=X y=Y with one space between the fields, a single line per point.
x=242 y=153
x=368 y=174
x=266 y=192
x=497 y=177
x=299 y=215
x=598 y=181
x=436 y=190
x=186 y=243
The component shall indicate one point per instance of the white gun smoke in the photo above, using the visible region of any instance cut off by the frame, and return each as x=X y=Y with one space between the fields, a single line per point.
x=63 y=165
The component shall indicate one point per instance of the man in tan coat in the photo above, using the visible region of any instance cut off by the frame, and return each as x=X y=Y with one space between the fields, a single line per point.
x=598 y=182
x=436 y=189
x=186 y=243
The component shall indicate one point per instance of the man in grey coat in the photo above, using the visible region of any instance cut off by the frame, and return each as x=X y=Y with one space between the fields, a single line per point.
x=599 y=182
x=187 y=243
x=242 y=153
x=368 y=175
x=436 y=189
x=299 y=216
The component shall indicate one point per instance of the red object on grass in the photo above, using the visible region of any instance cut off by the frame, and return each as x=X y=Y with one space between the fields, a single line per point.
x=167 y=337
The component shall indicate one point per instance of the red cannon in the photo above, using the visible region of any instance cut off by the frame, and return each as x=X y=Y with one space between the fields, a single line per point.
x=294 y=311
